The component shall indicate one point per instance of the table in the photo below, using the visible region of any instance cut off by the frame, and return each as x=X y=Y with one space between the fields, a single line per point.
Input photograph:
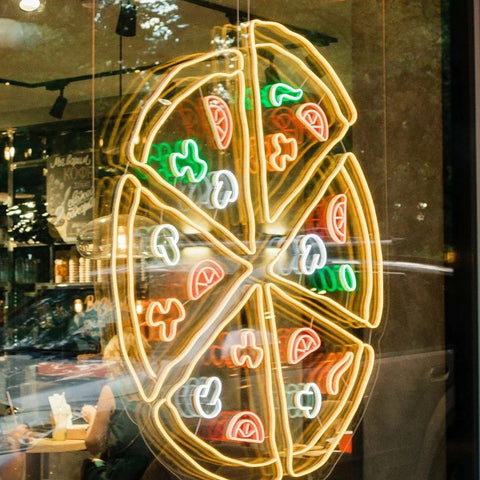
x=37 y=461
x=48 y=445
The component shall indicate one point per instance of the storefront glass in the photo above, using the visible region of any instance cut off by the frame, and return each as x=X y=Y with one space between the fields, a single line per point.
x=254 y=221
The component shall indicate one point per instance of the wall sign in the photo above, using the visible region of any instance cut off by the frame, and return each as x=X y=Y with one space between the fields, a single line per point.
x=70 y=197
x=262 y=259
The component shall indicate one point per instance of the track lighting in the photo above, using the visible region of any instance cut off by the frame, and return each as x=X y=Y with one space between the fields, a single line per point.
x=29 y=5
x=59 y=106
x=126 y=25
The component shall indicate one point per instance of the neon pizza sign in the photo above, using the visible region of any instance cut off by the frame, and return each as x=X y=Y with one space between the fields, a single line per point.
x=262 y=256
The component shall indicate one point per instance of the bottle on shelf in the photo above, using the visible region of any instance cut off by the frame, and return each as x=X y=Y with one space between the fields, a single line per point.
x=30 y=269
x=84 y=270
x=61 y=270
x=3 y=225
x=88 y=270
x=20 y=270
x=81 y=269
x=3 y=269
x=101 y=270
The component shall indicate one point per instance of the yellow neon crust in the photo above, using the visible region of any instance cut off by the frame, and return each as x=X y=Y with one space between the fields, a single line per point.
x=252 y=373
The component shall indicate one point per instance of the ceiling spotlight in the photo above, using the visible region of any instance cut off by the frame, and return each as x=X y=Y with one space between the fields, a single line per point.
x=59 y=106
x=29 y=5
x=127 y=20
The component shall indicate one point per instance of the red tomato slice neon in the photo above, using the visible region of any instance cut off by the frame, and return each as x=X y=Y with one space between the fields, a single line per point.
x=314 y=119
x=245 y=427
x=204 y=277
x=302 y=343
x=220 y=120
x=337 y=218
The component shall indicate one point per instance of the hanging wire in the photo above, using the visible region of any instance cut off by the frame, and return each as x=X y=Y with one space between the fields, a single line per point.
x=93 y=89
x=120 y=62
x=238 y=23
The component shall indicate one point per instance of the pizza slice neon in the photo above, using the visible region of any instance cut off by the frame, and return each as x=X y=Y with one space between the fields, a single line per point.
x=230 y=170
x=333 y=284
x=168 y=280
x=318 y=128
x=216 y=435
x=186 y=127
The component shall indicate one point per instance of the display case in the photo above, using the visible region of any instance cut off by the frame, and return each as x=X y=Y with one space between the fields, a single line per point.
x=38 y=256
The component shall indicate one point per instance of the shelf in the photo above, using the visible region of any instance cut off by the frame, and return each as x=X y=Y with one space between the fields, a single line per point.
x=27 y=245
x=28 y=163
x=63 y=285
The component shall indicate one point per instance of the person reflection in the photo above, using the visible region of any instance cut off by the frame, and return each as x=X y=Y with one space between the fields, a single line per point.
x=12 y=456
x=113 y=430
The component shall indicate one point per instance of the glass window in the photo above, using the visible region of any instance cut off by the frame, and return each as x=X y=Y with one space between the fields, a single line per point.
x=244 y=232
